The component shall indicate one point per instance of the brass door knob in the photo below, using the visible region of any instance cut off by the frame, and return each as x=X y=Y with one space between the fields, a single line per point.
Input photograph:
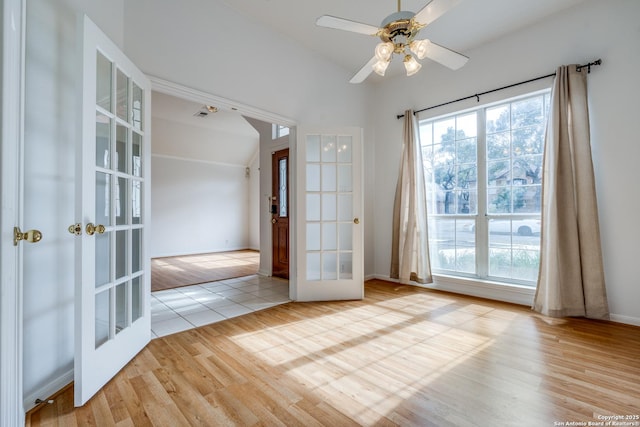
x=356 y=220
x=31 y=236
x=273 y=220
x=75 y=229
x=92 y=229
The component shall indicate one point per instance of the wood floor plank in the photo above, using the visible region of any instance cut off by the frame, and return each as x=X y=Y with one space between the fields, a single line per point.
x=404 y=356
x=177 y=271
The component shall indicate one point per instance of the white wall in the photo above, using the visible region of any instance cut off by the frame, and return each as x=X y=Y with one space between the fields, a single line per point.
x=197 y=207
x=199 y=204
x=210 y=47
x=254 y=203
x=177 y=139
x=51 y=113
x=205 y=45
x=591 y=30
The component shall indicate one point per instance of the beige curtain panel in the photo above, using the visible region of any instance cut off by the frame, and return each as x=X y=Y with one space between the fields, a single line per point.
x=571 y=279
x=410 y=241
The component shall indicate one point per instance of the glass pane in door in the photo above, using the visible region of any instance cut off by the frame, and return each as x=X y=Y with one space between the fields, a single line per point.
x=136 y=152
x=136 y=298
x=136 y=201
x=136 y=111
x=346 y=265
x=329 y=236
x=121 y=307
x=121 y=253
x=122 y=137
x=103 y=82
x=136 y=250
x=282 y=196
x=313 y=266
x=103 y=259
x=122 y=96
x=329 y=266
x=121 y=201
x=345 y=149
x=328 y=207
x=102 y=318
x=103 y=199
x=328 y=153
x=103 y=141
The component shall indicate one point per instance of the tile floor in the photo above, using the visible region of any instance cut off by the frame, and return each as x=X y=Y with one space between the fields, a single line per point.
x=179 y=309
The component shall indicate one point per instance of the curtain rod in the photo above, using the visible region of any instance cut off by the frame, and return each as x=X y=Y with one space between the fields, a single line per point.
x=477 y=95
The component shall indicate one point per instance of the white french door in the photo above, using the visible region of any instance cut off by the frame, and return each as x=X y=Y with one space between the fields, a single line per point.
x=112 y=268
x=329 y=214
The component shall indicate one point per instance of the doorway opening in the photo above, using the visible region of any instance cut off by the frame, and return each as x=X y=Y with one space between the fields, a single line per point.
x=207 y=178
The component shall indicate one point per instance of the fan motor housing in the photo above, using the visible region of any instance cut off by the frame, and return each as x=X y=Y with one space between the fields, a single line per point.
x=399 y=24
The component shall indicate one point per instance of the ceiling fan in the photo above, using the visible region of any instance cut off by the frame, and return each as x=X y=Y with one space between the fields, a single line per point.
x=398 y=32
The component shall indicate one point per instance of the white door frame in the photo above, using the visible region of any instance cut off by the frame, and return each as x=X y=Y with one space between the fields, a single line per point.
x=11 y=407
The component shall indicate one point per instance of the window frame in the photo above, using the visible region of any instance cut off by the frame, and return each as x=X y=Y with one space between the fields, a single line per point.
x=278 y=131
x=482 y=216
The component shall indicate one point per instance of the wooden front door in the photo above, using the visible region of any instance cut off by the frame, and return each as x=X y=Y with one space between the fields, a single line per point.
x=280 y=213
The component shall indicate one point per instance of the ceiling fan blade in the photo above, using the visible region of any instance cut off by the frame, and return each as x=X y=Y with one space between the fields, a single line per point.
x=434 y=10
x=346 y=25
x=446 y=57
x=364 y=72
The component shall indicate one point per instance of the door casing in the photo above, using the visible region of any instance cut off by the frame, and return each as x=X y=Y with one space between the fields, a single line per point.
x=12 y=118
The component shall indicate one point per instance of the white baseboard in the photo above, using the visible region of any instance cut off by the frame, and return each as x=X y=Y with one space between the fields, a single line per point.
x=265 y=273
x=199 y=252
x=635 y=321
x=495 y=291
x=48 y=390
x=483 y=289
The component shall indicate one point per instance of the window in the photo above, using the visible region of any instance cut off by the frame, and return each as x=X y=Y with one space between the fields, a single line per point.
x=483 y=172
x=278 y=131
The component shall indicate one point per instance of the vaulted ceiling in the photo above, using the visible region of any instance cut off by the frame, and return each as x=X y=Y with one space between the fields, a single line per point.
x=469 y=24
x=186 y=129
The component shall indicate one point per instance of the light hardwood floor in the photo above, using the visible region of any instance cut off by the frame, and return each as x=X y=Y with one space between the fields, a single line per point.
x=177 y=271
x=402 y=356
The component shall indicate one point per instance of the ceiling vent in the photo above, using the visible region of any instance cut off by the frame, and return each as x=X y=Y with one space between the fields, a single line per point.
x=205 y=110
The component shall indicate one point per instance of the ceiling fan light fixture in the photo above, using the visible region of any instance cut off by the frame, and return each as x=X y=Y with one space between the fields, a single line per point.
x=384 y=51
x=411 y=65
x=420 y=48
x=380 y=67
x=398 y=33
